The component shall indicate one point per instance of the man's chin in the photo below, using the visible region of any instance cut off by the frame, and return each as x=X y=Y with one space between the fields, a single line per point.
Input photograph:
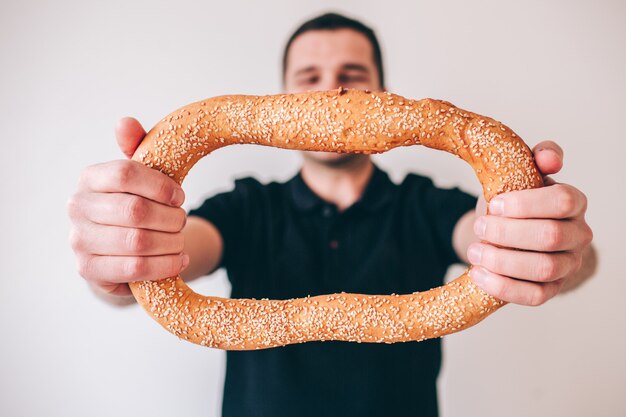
x=332 y=159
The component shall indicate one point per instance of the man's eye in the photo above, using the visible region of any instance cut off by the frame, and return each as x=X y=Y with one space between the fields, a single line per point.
x=308 y=80
x=353 y=78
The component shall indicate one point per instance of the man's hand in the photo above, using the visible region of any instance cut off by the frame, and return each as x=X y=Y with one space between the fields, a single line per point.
x=533 y=240
x=126 y=220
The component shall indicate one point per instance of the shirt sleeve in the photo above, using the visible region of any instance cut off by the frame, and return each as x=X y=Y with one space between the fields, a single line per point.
x=443 y=207
x=447 y=207
x=229 y=212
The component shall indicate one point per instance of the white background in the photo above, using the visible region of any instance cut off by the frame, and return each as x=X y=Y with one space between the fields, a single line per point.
x=70 y=70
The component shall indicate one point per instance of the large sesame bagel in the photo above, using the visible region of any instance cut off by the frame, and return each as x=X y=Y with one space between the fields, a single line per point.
x=339 y=121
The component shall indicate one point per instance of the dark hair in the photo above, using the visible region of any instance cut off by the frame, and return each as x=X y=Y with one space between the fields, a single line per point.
x=334 y=21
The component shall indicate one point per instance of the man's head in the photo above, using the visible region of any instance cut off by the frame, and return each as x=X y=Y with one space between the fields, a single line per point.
x=352 y=39
x=327 y=52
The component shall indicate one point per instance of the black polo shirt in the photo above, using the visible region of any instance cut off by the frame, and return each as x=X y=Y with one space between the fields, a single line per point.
x=282 y=241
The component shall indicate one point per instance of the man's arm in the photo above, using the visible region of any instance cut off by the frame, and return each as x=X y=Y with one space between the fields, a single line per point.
x=534 y=243
x=463 y=235
x=204 y=245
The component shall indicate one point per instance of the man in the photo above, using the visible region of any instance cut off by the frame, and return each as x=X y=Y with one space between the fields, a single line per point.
x=339 y=225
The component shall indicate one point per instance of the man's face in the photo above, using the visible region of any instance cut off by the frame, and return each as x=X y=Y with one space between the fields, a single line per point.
x=325 y=60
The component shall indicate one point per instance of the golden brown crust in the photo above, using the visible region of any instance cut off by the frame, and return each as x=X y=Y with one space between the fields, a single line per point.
x=339 y=121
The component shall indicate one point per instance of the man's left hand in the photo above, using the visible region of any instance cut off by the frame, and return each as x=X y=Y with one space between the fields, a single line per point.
x=532 y=240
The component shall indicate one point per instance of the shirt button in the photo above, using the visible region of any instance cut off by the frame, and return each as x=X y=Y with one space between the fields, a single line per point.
x=327 y=211
x=334 y=244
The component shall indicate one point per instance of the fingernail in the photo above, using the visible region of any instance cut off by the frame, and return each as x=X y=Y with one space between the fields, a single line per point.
x=478 y=275
x=178 y=197
x=185 y=261
x=475 y=253
x=480 y=227
x=496 y=206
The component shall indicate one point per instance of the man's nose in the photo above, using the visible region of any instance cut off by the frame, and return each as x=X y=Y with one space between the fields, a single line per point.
x=329 y=82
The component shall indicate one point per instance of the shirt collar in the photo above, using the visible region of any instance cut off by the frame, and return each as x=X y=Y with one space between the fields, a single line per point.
x=377 y=192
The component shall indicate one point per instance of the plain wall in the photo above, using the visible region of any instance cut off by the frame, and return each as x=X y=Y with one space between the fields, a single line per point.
x=70 y=69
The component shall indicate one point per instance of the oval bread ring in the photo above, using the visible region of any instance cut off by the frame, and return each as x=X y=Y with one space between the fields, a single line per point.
x=337 y=121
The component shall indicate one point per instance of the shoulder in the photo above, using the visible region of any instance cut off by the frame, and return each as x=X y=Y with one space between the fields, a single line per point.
x=421 y=191
x=251 y=187
x=417 y=187
x=249 y=192
x=416 y=181
x=248 y=198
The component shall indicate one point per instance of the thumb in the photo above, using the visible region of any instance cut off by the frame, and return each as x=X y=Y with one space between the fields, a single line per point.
x=549 y=157
x=129 y=134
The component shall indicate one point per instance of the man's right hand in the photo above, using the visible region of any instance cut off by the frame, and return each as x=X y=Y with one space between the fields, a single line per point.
x=126 y=220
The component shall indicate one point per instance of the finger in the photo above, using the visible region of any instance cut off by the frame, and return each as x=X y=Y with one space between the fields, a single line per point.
x=558 y=201
x=129 y=134
x=548 y=157
x=530 y=266
x=127 y=210
x=548 y=181
x=96 y=239
x=542 y=235
x=120 y=289
x=109 y=270
x=513 y=290
x=134 y=178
